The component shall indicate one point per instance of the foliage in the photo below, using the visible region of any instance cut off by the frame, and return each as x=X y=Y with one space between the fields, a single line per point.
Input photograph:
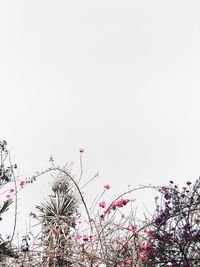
x=176 y=227
x=109 y=233
x=6 y=176
x=58 y=218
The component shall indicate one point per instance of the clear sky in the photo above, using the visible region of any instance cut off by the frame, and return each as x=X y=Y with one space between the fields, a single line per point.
x=120 y=78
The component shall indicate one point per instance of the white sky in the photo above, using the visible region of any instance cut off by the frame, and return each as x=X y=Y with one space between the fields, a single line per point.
x=120 y=78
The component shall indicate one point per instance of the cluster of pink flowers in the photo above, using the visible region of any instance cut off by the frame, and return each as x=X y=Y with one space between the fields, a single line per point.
x=119 y=203
x=149 y=233
x=116 y=204
x=12 y=190
x=146 y=248
x=132 y=228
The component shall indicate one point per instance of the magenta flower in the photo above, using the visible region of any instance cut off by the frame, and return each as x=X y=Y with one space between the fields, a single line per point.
x=132 y=228
x=102 y=204
x=22 y=183
x=146 y=246
x=107 y=186
x=149 y=233
x=81 y=150
x=11 y=190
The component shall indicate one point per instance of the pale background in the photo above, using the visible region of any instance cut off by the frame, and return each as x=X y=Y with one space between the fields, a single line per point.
x=119 y=78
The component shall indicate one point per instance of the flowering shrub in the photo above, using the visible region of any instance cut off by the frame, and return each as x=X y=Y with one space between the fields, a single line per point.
x=175 y=237
x=7 y=176
x=108 y=234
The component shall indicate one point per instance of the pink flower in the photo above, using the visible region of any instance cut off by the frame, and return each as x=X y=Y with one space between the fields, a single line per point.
x=22 y=183
x=128 y=262
x=149 y=233
x=119 y=203
x=118 y=241
x=125 y=201
x=102 y=204
x=11 y=190
x=81 y=150
x=143 y=256
x=132 y=228
x=146 y=246
x=107 y=186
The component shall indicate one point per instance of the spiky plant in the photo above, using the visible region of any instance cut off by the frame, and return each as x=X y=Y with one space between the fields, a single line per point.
x=58 y=217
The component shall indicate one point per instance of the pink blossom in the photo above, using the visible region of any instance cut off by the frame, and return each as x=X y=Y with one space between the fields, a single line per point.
x=119 y=203
x=149 y=233
x=143 y=256
x=102 y=204
x=146 y=246
x=118 y=241
x=11 y=190
x=107 y=186
x=132 y=228
x=125 y=201
x=128 y=262
x=81 y=150
x=22 y=183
